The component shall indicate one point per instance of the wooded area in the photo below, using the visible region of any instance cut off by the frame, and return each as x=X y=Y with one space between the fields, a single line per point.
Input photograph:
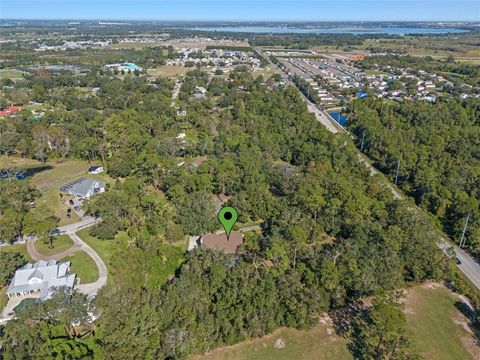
x=438 y=147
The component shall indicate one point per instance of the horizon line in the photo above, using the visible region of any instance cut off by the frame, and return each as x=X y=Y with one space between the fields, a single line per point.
x=243 y=20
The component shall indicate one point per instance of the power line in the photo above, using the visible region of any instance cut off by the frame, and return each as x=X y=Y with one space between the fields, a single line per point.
x=463 y=238
x=363 y=140
x=398 y=169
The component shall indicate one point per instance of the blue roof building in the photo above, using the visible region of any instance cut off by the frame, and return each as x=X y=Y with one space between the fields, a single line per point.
x=131 y=66
x=125 y=66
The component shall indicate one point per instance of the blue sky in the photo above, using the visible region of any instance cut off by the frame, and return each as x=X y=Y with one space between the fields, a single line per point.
x=302 y=10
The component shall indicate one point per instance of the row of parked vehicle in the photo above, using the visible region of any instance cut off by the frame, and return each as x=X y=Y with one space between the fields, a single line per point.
x=75 y=207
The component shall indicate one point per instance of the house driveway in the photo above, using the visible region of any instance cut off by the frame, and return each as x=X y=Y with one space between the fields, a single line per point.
x=13 y=303
x=90 y=289
x=35 y=255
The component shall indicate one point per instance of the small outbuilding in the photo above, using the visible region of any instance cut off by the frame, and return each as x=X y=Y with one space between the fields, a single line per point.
x=95 y=169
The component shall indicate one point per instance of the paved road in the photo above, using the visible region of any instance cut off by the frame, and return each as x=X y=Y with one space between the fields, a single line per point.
x=35 y=255
x=467 y=263
x=321 y=116
x=250 y=228
x=84 y=223
x=325 y=119
x=91 y=289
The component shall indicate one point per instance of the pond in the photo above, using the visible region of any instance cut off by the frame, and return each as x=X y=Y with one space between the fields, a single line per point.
x=338 y=117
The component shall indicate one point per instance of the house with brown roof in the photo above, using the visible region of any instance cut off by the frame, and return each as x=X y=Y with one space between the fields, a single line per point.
x=219 y=242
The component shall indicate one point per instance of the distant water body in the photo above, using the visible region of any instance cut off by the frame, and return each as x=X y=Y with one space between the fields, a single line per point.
x=333 y=30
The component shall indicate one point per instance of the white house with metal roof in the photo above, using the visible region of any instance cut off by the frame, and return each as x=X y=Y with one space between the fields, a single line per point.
x=83 y=188
x=41 y=278
x=96 y=169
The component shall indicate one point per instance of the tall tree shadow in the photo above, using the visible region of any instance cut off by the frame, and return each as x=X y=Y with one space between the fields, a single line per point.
x=473 y=316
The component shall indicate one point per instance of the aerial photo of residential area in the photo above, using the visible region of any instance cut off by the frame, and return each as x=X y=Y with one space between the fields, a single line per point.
x=240 y=179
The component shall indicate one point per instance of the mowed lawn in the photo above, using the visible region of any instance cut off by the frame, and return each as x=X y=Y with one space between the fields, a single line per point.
x=84 y=266
x=61 y=172
x=58 y=205
x=49 y=177
x=53 y=174
x=10 y=74
x=135 y=45
x=439 y=328
x=21 y=248
x=306 y=345
x=168 y=71
x=18 y=162
x=104 y=248
x=60 y=244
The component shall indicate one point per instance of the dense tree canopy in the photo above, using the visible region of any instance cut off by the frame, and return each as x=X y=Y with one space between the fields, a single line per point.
x=438 y=146
x=15 y=199
x=331 y=233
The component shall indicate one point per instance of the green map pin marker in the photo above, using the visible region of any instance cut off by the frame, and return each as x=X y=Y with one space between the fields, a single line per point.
x=228 y=217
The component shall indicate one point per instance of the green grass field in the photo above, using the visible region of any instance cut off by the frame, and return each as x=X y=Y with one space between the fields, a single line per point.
x=135 y=45
x=54 y=173
x=305 y=345
x=168 y=71
x=60 y=174
x=18 y=162
x=50 y=177
x=84 y=266
x=55 y=203
x=464 y=48
x=104 y=248
x=21 y=248
x=60 y=244
x=113 y=253
x=10 y=74
x=437 y=325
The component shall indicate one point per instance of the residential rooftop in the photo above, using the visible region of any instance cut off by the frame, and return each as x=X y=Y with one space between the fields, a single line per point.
x=41 y=278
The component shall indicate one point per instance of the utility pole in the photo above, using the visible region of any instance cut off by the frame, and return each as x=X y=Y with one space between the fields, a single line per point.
x=363 y=139
x=398 y=169
x=463 y=239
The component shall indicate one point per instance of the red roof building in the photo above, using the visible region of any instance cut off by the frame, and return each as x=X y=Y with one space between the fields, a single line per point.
x=10 y=110
x=13 y=108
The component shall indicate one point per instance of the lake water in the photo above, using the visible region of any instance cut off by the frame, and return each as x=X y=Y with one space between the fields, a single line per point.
x=332 y=30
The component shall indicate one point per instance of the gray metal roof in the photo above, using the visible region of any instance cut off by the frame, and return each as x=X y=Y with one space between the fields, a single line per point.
x=44 y=276
x=82 y=187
